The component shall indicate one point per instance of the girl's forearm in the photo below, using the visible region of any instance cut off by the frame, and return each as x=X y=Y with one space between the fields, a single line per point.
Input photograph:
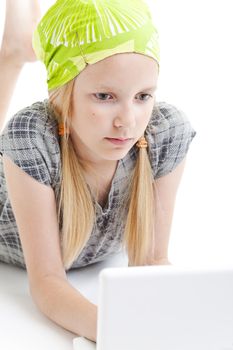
x=10 y=70
x=63 y=304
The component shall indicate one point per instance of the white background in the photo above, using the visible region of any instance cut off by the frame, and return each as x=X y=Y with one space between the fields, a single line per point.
x=196 y=75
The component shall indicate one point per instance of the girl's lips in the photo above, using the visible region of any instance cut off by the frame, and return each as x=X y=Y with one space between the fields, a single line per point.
x=118 y=141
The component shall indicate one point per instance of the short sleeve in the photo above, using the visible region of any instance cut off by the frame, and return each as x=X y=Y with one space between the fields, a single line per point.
x=30 y=140
x=169 y=134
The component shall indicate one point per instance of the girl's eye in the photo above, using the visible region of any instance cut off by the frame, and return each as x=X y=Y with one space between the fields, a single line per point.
x=100 y=95
x=147 y=95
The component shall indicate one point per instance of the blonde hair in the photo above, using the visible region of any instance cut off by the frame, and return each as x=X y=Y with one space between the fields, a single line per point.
x=76 y=209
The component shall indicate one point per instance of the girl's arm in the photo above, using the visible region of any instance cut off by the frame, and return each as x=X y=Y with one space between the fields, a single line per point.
x=34 y=208
x=16 y=49
x=166 y=190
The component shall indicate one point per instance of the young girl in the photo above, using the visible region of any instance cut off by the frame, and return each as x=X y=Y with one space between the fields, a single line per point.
x=96 y=167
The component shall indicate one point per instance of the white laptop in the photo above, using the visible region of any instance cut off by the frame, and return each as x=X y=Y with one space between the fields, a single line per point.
x=164 y=308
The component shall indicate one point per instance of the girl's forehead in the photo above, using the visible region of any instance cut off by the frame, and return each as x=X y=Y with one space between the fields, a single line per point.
x=121 y=60
x=120 y=66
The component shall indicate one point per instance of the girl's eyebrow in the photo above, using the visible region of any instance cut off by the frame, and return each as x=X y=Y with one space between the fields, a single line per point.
x=105 y=87
x=153 y=88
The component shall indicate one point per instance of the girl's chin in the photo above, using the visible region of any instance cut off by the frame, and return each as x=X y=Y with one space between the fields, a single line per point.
x=116 y=156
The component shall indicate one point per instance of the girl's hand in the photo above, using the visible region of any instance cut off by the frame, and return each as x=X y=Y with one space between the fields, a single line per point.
x=21 y=19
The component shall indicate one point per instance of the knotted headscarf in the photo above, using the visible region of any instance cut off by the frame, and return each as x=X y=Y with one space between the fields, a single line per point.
x=74 y=33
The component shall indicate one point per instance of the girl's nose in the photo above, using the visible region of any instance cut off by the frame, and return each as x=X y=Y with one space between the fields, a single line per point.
x=125 y=118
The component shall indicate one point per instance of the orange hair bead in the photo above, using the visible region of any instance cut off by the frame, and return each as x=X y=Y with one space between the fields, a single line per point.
x=142 y=143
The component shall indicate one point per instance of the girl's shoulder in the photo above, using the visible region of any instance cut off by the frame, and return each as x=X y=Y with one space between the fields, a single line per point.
x=169 y=134
x=37 y=117
x=166 y=116
x=30 y=138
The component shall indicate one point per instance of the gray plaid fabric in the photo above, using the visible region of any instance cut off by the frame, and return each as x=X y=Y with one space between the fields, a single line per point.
x=31 y=140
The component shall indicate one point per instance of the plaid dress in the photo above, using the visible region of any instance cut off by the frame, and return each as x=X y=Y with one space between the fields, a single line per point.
x=31 y=140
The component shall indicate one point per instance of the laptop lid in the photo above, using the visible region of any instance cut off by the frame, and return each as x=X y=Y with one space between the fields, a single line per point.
x=165 y=308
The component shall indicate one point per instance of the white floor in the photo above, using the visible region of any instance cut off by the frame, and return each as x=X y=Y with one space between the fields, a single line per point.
x=23 y=326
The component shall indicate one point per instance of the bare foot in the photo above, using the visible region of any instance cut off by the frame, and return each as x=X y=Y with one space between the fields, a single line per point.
x=21 y=19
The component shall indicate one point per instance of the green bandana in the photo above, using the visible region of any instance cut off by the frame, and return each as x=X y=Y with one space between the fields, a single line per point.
x=74 y=33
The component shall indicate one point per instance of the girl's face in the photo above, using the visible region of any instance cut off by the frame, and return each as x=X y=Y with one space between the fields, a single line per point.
x=112 y=98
